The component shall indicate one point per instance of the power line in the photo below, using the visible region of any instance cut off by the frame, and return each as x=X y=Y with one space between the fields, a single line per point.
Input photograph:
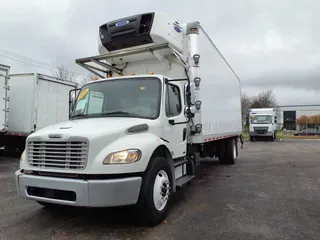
x=33 y=62
x=27 y=58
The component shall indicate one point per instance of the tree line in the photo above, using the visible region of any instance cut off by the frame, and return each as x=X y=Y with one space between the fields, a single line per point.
x=309 y=120
x=64 y=74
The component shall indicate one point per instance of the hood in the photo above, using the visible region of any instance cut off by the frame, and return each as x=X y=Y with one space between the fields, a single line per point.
x=91 y=127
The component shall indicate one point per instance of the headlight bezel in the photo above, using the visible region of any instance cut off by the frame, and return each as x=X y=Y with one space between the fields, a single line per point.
x=111 y=158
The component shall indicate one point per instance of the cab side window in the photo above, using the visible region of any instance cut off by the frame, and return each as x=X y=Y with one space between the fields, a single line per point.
x=173 y=101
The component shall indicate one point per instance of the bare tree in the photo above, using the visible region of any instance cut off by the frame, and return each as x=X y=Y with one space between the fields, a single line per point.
x=264 y=99
x=245 y=105
x=64 y=74
x=81 y=81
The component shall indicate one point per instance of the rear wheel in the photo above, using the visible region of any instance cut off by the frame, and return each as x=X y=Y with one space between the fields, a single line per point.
x=155 y=191
x=228 y=152
x=251 y=138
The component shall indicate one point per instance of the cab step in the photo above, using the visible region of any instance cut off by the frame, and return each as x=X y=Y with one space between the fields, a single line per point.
x=184 y=180
x=180 y=162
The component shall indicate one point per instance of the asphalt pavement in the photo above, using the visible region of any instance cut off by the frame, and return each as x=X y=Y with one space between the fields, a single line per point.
x=272 y=192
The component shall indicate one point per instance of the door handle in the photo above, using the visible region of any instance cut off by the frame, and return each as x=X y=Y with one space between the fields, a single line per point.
x=184 y=135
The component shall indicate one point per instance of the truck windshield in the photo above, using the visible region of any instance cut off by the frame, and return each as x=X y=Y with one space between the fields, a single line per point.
x=261 y=119
x=127 y=97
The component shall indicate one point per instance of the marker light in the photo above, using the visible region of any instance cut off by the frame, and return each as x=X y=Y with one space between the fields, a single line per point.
x=197 y=81
x=196 y=58
x=198 y=104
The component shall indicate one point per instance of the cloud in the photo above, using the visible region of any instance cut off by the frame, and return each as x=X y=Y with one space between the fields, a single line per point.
x=270 y=44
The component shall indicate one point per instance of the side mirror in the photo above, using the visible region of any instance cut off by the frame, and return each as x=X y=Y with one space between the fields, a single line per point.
x=189 y=91
x=73 y=94
x=189 y=112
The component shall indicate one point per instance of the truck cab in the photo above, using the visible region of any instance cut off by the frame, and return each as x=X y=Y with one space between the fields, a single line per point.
x=262 y=123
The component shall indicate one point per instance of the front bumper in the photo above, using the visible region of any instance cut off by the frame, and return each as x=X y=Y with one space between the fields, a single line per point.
x=77 y=192
x=266 y=134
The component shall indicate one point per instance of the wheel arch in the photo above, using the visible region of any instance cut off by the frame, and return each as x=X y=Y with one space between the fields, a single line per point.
x=163 y=151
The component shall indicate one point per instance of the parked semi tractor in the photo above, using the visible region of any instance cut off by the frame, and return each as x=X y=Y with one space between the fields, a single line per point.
x=263 y=123
x=166 y=98
x=35 y=101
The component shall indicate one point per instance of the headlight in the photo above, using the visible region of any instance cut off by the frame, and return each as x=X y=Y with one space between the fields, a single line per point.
x=123 y=157
x=22 y=155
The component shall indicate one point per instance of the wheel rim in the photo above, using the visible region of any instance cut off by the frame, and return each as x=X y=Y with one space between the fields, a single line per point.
x=161 y=190
x=234 y=151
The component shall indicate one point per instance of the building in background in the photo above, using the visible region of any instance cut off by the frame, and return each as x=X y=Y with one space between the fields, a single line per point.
x=298 y=117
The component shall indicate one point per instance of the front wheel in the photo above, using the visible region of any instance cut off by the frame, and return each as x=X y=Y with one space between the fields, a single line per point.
x=155 y=191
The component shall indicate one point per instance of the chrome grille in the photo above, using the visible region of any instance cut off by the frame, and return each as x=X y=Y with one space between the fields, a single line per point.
x=261 y=130
x=58 y=154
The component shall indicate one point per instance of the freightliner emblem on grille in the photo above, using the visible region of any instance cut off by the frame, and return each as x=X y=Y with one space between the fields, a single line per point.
x=55 y=135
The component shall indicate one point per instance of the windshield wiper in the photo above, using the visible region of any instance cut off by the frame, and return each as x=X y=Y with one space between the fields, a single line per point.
x=127 y=114
x=80 y=115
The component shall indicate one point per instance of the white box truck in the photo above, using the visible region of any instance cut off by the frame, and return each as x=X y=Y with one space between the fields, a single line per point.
x=262 y=123
x=36 y=101
x=166 y=98
x=4 y=98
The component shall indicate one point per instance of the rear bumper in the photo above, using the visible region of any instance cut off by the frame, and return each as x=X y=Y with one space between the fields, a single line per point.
x=77 y=192
x=255 y=134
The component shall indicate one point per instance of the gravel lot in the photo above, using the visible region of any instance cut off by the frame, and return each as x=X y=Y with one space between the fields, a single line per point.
x=273 y=192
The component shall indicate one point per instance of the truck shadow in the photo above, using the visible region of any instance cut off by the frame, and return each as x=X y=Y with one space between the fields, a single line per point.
x=125 y=217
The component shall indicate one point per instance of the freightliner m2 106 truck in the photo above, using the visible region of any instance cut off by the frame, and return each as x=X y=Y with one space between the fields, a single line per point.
x=262 y=123
x=166 y=98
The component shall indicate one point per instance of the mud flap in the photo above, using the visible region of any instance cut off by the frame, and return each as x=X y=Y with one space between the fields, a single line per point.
x=241 y=140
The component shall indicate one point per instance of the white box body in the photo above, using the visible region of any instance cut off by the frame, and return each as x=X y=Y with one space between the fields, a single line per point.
x=36 y=101
x=4 y=96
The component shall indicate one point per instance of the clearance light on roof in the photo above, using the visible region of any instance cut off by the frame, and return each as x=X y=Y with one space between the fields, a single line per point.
x=121 y=74
x=132 y=74
x=151 y=73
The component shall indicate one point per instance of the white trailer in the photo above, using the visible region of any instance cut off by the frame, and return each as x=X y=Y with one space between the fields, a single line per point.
x=36 y=101
x=166 y=98
x=262 y=123
x=4 y=97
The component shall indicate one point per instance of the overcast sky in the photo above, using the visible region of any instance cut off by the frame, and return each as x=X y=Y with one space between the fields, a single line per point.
x=271 y=44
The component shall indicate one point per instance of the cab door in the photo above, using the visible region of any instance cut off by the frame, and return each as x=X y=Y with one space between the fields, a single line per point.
x=175 y=126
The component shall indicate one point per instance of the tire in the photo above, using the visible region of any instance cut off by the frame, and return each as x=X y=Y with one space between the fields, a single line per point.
x=251 y=139
x=222 y=156
x=156 y=185
x=228 y=152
